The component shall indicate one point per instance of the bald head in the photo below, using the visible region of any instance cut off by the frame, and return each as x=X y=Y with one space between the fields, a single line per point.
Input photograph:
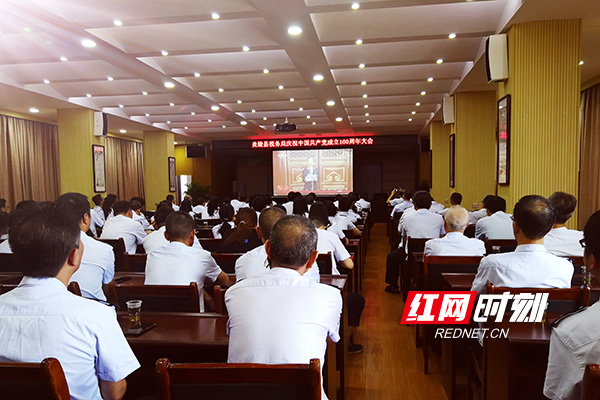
x=292 y=242
x=457 y=219
x=267 y=219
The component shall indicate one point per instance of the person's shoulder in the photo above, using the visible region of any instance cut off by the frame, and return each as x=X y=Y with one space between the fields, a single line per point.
x=579 y=327
x=87 y=310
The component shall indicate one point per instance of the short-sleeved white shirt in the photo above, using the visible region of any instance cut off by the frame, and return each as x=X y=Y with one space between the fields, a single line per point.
x=564 y=242
x=251 y=264
x=328 y=242
x=454 y=244
x=337 y=230
x=5 y=247
x=499 y=225
x=236 y=204
x=97 y=267
x=422 y=224
x=475 y=216
x=216 y=228
x=97 y=215
x=157 y=239
x=344 y=220
x=281 y=317
x=363 y=204
x=401 y=206
x=121 y=226
x=41 y=319
x=289 y=207
x=143 y=221
x=529 y=266
x=199 y=209
x=436 y=207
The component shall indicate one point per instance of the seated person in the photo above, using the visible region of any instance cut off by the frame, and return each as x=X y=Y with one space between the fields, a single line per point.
x=123 y=226
x=255 y=261
x=97 y=214
x=476 y=215
x=178 y=262
x=138 y=216
x=362 y=204
x=22 y=205
x=436 y=207
x=343 y=219
x=455 y=200
x=200 y=206
x=98 y=260
x=282 y=317
x=238 y=201
x=530 y=265
x=41 y=318
x=212 y=208
x=171 y=199
x=224 y=229
x=244 y=237
x=497 y=224
x=403 y=205
x=396 y=197
x=300 y=206
x=289 y=205
x=419 y=224
x=561 y=241
x=455 y=243
x=575 y=338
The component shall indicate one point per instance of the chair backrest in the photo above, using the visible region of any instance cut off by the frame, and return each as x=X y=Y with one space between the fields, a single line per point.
x=134 y=262
x=8 y=263
x=158 y=297
x=559 y=300
x=204 y=232
x=590 y=387
x=470 y=231
x=40 y=381
x=325 y=263
x=227 y=261
x=416 y=245
x=118 y=246
x=239 y=381
x=219 y=297
x=7 y=287
x=435 y=266
x=210 y=244
x=500 y=245
x=74 y=288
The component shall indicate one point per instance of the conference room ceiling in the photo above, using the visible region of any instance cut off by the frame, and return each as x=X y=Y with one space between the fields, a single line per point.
x=246 y=63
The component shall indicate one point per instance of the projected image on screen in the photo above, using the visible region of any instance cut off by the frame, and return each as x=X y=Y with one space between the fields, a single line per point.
x=320 y=171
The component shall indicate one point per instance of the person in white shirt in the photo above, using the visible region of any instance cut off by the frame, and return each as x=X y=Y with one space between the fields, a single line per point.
x=455 y=200
x=200 y=206
x=575 y=340
x=40 y=318
x=178 y=263
x=343 y=219
x=255 y=261
x=436 y=207
x=497 y=224
x=362 y=204
x=171 y=199
x=138 y=216
x=282 y=317
x=455 y=243
x=396 y=197
x=22 y=205
x=300 y=206
x=476 y=215
x=561 y=241
x=157 y=239
x=238 y=201
x=98 y=260
x=403 y=205
x=123 y=226
x=97 y=214
x=227 y=214
x=212 y=208
x=530 y=265
x=289 y=205
x=420 y=224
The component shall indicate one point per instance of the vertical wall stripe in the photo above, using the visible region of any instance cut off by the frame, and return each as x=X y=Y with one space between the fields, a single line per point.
x=439 y=137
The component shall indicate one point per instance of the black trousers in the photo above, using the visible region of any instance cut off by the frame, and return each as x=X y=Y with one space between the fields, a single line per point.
x=356 y=305
x=392 y=266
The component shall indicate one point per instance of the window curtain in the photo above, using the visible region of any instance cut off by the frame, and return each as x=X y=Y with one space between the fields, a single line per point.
x=29 y=164
x=124 y=168
x=589 y=171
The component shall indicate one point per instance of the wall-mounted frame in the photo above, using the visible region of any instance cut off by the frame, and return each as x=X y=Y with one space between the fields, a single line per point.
x=503 y=141
x=451 y=158
x=172 y=175
x=99 y=167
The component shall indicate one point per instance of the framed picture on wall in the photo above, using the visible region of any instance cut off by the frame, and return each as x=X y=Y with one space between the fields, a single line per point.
x=451 y=158
x=172 y=175
x=99 y=166
x=503 y=140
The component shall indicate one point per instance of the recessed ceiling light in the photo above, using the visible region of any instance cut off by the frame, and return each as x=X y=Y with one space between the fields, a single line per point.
x=244 y=123
x=110 y=78
x=63 y=58
x=365 y=96
x=145 y=93
x=368 y=121
x=169 y=85
x=301 y=109
x=413 y=113
x=193 y=113
x=164 y=52
x=367 y=114
x=88 y=95
x=274 y=124
x=417 y=104
x=361 y=65
x=221 y=90
x=359 y=41
x=331 y=103
x=176 y=142
x=581 y=62
x=440 y=60
x=246 y=48
x=339 y=119
x=121 y=106
x=264 y=118
x=294 y=30
x=355 y=6
x=215 y=108
x=363 y=83
x=171 y=104
x=280 y=87
x=197 y=74
x=168 y=122
x=210 y=120
x=89 y=43
x=265 y=71
x=185 y=127
x=308 y=116
x=452 y=36
x=117 y=22
x=314 y=123
x=33 y=110
x=318 y=77
x=410 y=120
x=423 y=93
x=46 y=81
x=366 y=106
x=292 y=99
x=239 y=102
x=215 y=15
x=123 y=130
x=253 y=110
x=147 y=115
x=430 y=79
x=223 y=126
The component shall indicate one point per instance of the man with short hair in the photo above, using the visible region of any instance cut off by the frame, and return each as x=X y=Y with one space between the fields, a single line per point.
x=363 y=204
x=575 y=338
x=343 y=219
x=403 y=205
x=157 y=239
x=138 y=216
x=455 y=200
x=476 y=215
x=497 y=224
x=255 y=261
x=178 y=263
x=22 y=205
x=561 y=241
x=289 y=205
x=41 y=319
x=171 y=200
x=98 y=259
x=455 y=243
x=97 y=214
x=123 y=226
x=282 y=316
x=530 y=265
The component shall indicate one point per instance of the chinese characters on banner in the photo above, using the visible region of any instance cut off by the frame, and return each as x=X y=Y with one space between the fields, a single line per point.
x=278 y=144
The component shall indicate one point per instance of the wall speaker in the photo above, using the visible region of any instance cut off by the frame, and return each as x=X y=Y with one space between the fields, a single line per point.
x=198 y=151
x=100 y=124
x=496 y=58
x=448 y=110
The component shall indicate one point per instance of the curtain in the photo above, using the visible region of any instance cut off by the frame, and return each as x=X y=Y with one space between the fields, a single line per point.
x=589 y=171
x=29 y=164
x=124 y=168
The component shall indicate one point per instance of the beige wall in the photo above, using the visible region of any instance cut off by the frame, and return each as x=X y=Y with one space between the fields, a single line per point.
x=158 y=147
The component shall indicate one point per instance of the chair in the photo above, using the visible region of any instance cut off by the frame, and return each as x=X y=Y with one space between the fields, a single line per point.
x=210 y=244
x=134 y=262
x=118 y=246
x=325 y=263
x=227 y=261
x=413 y=245
x=590 y=387
x=158 y=297
x=239 y=381
x=219 y=297
x=40 y=381
x=470 y=231
x=8 y=263
x=575 y=296
x=204 y=233
x=500 y=245
x=74 y=288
